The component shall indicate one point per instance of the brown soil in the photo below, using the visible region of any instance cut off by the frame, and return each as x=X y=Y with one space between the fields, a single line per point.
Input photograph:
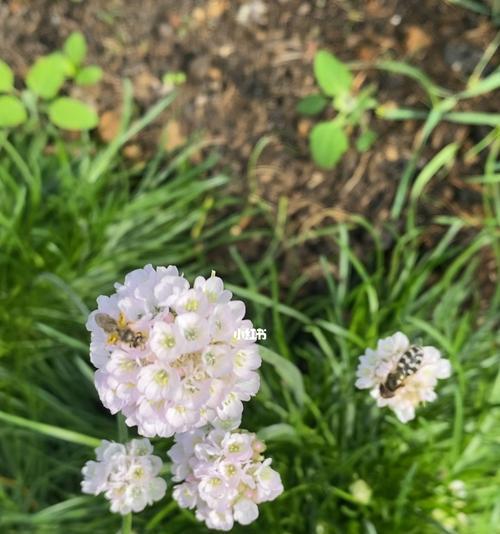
x=244 y=81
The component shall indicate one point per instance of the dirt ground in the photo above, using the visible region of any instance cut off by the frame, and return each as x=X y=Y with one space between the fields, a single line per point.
x=247 y=69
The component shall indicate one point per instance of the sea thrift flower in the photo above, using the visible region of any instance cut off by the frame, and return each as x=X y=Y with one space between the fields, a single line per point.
x=401 y=376
x=167 y=356
x=361 y=491
x=223 y=476
x=126 y=474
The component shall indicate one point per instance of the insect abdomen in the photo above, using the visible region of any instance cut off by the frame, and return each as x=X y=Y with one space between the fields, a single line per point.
x=408 y=364
x=411 y=360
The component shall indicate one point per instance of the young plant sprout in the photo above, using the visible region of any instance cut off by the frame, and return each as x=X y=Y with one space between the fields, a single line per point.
x=166 y=353
x=45 y=81
x=223 y=476
x=400 y=375
x=126 y=474
x=330 y=139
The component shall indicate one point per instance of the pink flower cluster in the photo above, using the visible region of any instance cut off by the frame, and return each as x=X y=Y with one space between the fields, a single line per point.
x=167 y=354
x=126 y=474
x=223 y=476
x=170 y=357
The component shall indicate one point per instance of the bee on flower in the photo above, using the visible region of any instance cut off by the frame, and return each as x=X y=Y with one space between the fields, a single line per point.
x=167 y=355
x=126 y=474
x=223 y=476
x=401 y=375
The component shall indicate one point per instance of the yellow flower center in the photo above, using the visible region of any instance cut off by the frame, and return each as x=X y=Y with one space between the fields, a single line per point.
x=138 y=472
x=169 y=342
x=192 y=305
x=161 y=378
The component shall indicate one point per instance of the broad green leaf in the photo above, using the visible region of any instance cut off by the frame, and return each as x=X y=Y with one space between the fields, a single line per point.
x=89 y=75
x=72 y=114
x=12 y=111
x=312 y=105
x=68 y=68
x=75 y=48
x=290 y=375
x=328 y=143
x=175 y=78
x=366 y=140
x=332 y=75
x=6 y=78
x=47 y=75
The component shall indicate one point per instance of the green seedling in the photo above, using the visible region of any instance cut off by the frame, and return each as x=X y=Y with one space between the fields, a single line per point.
x=330 y=139
x=44 y=84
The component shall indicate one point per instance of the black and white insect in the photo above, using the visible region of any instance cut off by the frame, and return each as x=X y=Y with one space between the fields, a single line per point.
x=407 y=365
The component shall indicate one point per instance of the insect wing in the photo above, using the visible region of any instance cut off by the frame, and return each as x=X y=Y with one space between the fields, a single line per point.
x=106 y=322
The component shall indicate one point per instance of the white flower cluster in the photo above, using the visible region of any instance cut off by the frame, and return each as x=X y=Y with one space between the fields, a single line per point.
x=166 y=353
x=414 y=386
x=223 y=476
x=126 y=474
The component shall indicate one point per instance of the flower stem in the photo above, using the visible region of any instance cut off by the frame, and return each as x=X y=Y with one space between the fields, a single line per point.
x=127 y=524
x=122 y=429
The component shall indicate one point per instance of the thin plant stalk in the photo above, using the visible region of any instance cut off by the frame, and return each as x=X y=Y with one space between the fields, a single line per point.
x=127 y=524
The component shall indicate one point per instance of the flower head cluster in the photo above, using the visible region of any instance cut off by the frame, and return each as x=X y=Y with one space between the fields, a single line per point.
x=167 y=356
x=400 y=379
x=126 y=474
x=223 y=476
